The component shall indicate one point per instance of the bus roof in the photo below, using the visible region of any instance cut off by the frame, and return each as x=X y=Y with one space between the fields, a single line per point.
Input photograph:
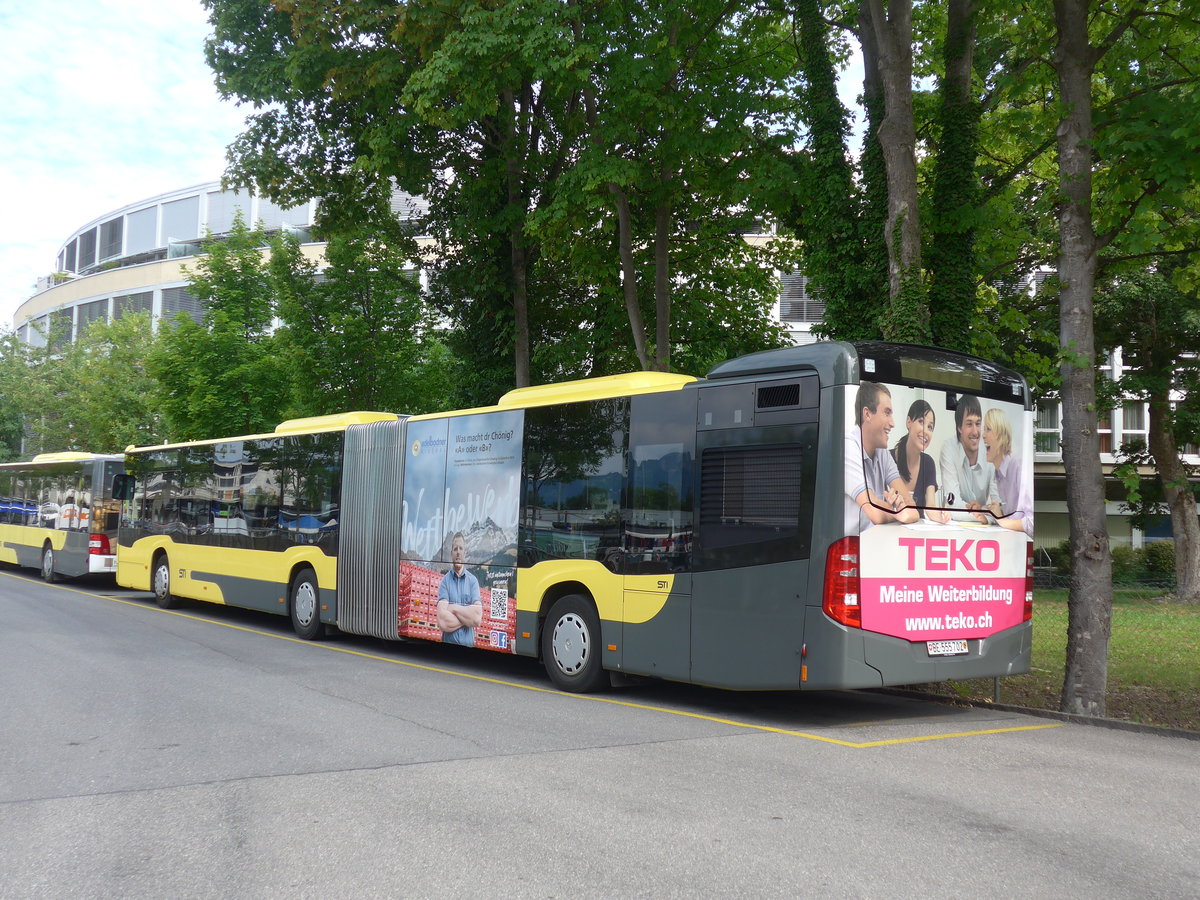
x=600 y=388
x=66 y=456
x=309 y=425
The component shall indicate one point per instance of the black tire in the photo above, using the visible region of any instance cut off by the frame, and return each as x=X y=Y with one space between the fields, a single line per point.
x=571 y=649
x=304 y=604
x=48 y=573
x=160 y=583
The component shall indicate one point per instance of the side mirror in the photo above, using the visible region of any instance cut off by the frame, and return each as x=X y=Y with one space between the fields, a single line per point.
x=122 y=487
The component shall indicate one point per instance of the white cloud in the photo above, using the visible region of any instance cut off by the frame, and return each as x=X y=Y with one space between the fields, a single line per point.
x=107 y=103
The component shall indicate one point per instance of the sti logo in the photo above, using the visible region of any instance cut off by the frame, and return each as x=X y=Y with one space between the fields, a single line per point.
x=416 y=448
x=952 y=554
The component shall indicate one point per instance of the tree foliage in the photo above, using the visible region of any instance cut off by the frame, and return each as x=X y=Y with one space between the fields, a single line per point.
x=225 y=374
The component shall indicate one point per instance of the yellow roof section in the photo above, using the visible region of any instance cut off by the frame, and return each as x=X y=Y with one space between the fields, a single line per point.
x=334 y=422
x=65 y=456
x=594 y=388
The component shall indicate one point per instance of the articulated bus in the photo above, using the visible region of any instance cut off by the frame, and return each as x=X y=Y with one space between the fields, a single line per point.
x=829 y=516
x=57 y=513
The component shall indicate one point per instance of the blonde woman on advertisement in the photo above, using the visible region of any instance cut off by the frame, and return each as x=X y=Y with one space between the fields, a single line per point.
x=1015 y=491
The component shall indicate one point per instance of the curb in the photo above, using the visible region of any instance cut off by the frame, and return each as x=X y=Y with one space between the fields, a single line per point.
x=1073 y=718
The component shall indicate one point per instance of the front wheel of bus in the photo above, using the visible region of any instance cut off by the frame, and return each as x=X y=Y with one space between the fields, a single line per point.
x=160 y=583
x=571 y=645
x=305 y=606
x=48 y=573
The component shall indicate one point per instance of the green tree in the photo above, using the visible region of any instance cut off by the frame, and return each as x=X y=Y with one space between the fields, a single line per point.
x=485 y=110
x=225 y=374
x=1158 y=327
x=360 y=338
x=112 y=398
x=13 y=381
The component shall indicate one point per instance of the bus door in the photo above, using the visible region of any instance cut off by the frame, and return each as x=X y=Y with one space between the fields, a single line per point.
x=657 y=535
x=756 y=451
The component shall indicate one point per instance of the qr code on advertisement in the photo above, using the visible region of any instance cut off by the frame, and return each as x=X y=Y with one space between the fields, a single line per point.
x=499 y=603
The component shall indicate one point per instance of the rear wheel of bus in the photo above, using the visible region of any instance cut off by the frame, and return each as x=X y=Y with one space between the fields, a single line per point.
x=160 y=583
x=571 y=645
x=48 y=573
x=305 y=605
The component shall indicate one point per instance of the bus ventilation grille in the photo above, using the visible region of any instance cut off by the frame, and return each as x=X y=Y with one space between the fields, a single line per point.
x=777 y=395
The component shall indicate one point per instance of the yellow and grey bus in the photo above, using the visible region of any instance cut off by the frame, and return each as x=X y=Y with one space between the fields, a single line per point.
x=834 y=515
x=57 y=514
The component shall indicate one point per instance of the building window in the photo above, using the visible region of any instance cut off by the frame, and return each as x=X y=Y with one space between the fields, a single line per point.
x=141 y=231
x=69 y=266
x=1104 y=430
x=177 y=300
x=181 y=219
x=128 y=304
x=87 y=313
x=87 y=249
x=222 y=206
x=796 y=303
x=1133 y=421
x=110 y=238
x=1047 y=434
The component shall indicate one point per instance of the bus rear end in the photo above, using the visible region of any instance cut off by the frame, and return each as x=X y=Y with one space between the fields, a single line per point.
x=931 y=576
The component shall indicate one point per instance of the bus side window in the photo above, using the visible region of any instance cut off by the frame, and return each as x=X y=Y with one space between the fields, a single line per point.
x=123 y=486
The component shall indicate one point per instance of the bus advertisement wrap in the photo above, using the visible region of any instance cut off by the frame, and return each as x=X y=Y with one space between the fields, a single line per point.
x=940 y=493
x=459 y=539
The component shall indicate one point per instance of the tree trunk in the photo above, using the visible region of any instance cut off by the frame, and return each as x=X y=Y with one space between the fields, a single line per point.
x=1180 y=500
x=519 y=256
x=1089 y=604
x=897 y=136
x=662 y=287
x=629 y=275
x=951 y=258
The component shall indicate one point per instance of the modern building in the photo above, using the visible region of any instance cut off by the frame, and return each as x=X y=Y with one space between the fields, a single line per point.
x=133 y=259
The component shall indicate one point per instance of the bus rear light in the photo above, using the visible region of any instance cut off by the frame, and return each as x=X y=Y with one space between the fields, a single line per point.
x=840 y=598
x=98 y=545
x=1028 y=614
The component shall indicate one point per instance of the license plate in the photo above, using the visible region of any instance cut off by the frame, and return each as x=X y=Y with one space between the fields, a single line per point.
x=946 y=648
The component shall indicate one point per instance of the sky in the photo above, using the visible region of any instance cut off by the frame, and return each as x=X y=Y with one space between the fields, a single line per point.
x=108 y=102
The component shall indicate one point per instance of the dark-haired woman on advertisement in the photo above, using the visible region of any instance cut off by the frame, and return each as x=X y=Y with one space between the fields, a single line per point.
x=917 y=470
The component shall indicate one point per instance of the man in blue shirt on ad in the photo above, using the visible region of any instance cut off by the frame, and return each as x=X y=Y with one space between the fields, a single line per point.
x=459 y=607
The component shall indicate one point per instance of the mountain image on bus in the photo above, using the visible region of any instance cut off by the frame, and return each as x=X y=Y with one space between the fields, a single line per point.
x=836 y=515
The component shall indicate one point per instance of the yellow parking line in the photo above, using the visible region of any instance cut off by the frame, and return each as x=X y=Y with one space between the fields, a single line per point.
x=716 y=720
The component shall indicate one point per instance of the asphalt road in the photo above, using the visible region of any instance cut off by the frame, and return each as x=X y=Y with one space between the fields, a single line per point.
x=206 y=752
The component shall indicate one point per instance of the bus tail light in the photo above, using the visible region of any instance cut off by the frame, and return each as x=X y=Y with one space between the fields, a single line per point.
x=840 y=599
x=98 y=545
x=1028 y=582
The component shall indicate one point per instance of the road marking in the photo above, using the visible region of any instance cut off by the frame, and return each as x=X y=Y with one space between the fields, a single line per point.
x=716 y=720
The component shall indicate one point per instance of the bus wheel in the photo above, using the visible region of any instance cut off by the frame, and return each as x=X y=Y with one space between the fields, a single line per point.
x=571 y=645
x=48 y=573
x=305 y=606
x=161 y=583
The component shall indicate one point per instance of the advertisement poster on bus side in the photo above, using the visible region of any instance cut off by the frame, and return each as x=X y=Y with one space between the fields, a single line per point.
x=939 y=488
x=459 y=539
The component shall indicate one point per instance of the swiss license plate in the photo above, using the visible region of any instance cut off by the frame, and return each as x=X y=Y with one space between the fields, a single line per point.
x=946 y=648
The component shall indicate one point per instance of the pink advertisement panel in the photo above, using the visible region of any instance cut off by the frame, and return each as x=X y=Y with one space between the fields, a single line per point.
x=934 y=582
